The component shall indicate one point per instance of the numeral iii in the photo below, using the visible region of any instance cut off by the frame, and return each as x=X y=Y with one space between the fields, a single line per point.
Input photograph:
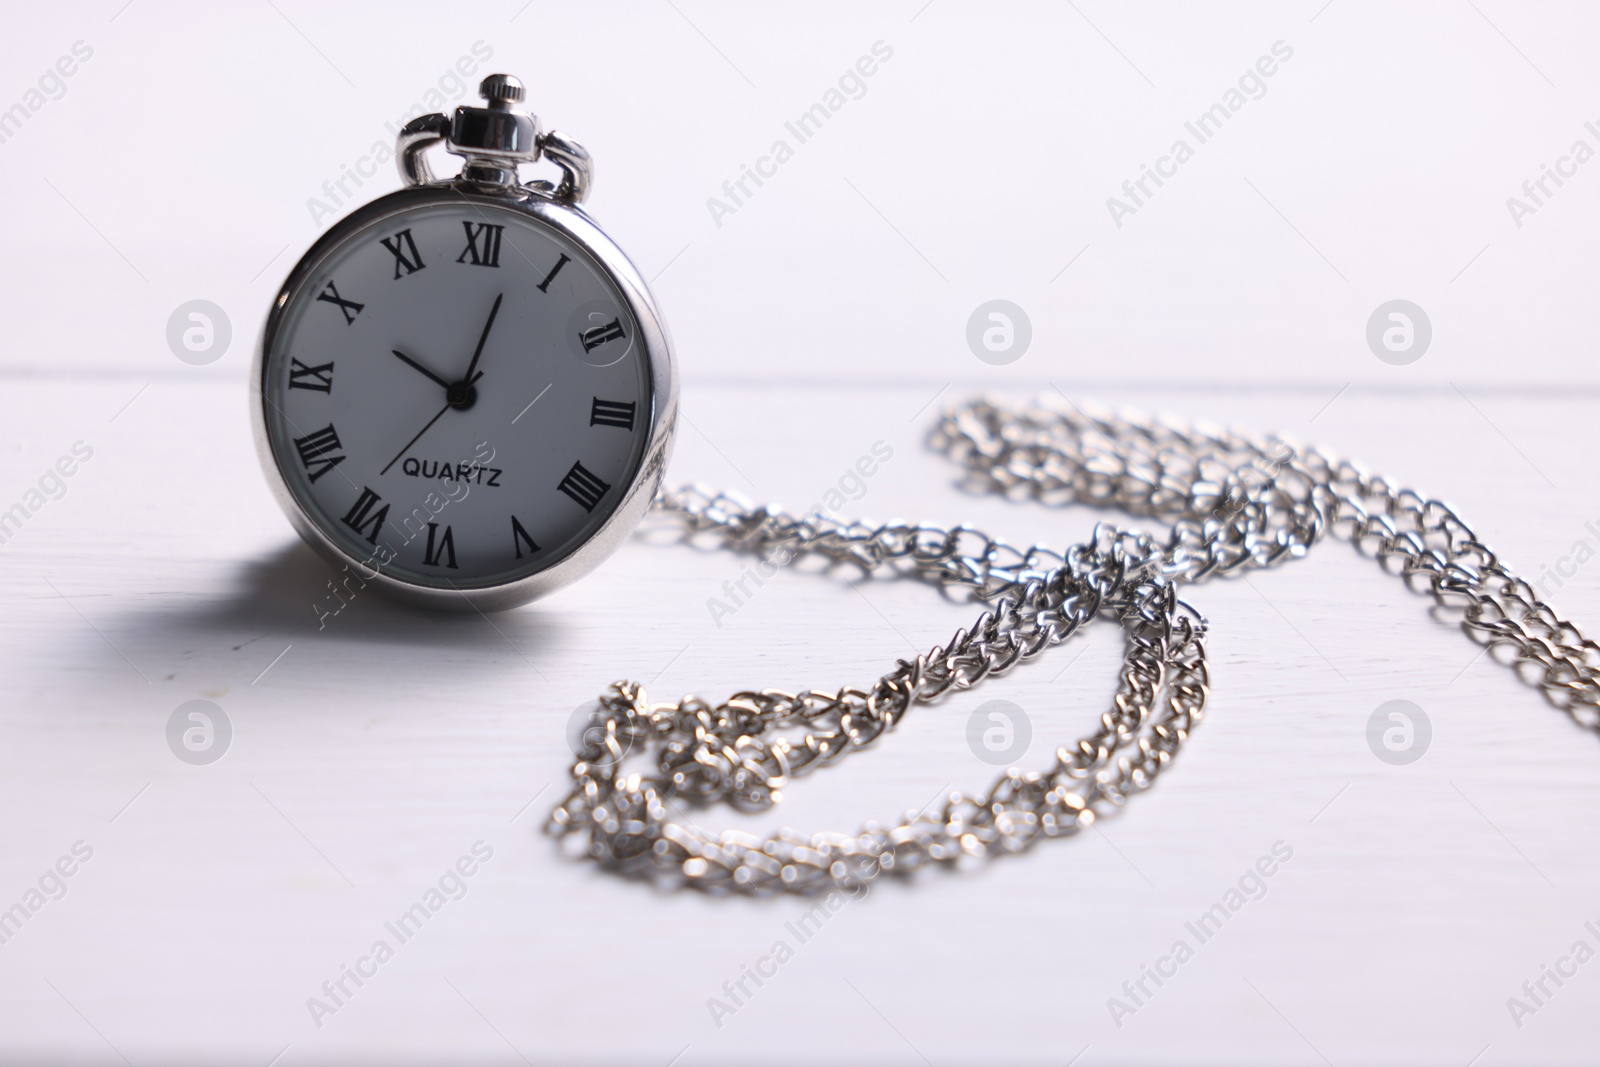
x=611 y=413
x=320 y=451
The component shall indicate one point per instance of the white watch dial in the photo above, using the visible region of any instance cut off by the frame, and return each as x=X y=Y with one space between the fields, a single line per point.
x=458 y=394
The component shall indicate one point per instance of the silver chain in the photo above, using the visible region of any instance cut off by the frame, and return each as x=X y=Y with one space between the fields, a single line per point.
x=1234 y=502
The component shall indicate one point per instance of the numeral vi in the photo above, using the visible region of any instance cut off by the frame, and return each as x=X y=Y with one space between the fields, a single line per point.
x=445 y=547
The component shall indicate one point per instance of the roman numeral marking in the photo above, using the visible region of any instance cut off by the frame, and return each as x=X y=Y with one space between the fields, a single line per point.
x=319 y=377
x=350 y=308
x=483 y=243
x=320 y=452
x=519 y=537
x=611 y=413
x=583 y=487
x=544 y=286
x=595 y=336
x=446 y=547
x=361 y=515
x=404 y=250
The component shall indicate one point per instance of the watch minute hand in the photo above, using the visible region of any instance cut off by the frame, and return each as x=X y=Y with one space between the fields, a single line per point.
x=483 y=337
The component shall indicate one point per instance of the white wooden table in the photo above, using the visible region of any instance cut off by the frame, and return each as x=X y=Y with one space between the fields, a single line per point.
x=209 y=904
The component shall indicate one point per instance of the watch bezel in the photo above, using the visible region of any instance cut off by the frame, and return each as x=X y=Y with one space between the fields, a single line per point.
x=575 y=226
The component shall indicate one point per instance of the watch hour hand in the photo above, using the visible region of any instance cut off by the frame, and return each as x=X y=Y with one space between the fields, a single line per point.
x=428 y=373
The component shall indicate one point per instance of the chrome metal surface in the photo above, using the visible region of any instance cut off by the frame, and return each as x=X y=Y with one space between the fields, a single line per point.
x=1234 y=502
x=576 y=165
x=656 y=347
x=411 y=147
x=494 y=141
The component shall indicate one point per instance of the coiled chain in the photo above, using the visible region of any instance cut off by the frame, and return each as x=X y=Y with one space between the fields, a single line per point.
x=1233 y=501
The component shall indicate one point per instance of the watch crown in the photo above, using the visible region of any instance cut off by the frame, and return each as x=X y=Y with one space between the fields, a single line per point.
x=501 y=90
x=496 y=137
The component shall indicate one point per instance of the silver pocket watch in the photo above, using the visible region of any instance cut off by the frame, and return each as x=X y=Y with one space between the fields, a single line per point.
x=464 y=388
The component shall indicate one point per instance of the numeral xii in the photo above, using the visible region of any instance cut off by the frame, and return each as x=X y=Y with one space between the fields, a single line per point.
x=483 y=243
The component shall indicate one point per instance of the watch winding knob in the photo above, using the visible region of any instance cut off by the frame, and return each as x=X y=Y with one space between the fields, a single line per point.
x=495 y=139
x=501 y=90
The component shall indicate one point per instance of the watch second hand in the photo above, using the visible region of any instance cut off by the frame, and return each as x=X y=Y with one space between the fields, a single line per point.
x=448 y=405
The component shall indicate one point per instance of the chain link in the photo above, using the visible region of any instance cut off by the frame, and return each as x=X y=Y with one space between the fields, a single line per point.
x=1234 y=502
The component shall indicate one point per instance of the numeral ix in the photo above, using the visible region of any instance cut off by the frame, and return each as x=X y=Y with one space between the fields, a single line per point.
x=320 y=451
x=319 y=378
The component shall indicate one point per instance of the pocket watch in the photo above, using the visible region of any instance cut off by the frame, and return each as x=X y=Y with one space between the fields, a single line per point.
x=464 y=388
